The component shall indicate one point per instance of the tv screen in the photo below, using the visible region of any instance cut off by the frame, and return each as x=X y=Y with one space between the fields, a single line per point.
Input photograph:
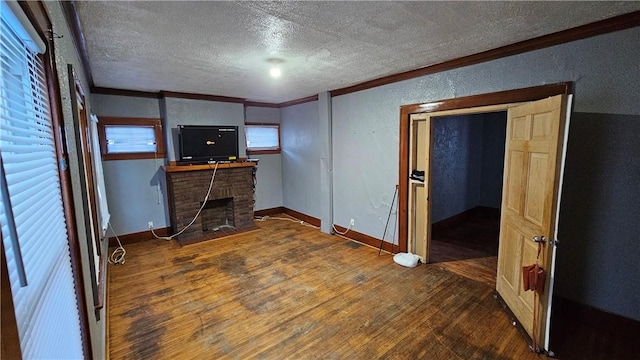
x=207 y=143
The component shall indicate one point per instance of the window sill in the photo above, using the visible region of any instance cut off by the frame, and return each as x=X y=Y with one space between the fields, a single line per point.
x=262 y=152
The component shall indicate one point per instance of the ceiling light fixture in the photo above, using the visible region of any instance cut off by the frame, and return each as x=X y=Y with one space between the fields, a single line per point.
x=275 y=72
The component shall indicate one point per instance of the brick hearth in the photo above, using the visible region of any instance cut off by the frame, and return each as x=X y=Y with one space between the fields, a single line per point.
x=230 y=202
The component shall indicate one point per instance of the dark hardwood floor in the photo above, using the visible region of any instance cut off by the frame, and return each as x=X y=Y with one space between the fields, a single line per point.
x=470 y=246
x=290 y=291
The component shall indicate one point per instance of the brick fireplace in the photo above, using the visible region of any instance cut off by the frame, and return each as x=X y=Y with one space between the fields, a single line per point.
x=229 y=209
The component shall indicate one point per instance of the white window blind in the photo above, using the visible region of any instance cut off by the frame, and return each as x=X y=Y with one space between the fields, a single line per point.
x=46 y=308
x=130 y=139
x=262 y=137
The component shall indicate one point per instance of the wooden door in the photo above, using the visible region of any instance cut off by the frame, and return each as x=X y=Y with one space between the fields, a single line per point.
x=530 y=190
x=419 y=159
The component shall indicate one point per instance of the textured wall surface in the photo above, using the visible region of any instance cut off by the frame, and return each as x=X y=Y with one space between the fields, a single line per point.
x=599 y=242
x=494 y=130
x=456 y=167
x=365 y=132
x=125 y=106
x=301 y=158
x=258 y=114
x=467 y=163
x=135 y=188
x=269 y=176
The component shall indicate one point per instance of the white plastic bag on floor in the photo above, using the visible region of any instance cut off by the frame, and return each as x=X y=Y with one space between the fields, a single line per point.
x=406 y=259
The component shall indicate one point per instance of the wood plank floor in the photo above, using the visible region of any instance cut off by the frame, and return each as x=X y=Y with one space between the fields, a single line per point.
x=470 y=248
x=288 y=291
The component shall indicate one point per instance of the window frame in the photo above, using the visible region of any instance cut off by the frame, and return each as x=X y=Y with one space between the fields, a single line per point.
x=37 y=14
x=104 y=121
x=263 y=152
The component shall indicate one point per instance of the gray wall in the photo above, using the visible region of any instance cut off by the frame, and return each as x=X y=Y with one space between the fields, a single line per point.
x=468 y=157
x=599 y=217
x=494 y=131
x=606 y=75
x=301 y=158
x=65 y=53
x=269 y=175
x=456 y=167
x=135 y=188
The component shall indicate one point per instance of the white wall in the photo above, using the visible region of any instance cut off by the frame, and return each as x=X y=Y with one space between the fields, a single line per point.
x=301 y=158
x=269 y=175
x=606 y=75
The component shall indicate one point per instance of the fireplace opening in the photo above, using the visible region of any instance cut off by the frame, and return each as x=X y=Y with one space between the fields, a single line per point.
x=217 y=215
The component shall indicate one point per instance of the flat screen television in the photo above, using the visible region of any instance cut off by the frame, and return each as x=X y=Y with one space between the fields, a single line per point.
x=207 y=143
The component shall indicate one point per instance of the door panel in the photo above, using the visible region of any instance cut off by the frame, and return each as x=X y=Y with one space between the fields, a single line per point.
x=419 y=159
x=530 y=188
x=534 y=207
x=516 y=180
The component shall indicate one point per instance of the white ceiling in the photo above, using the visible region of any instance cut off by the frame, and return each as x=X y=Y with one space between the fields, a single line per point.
x=223 y=48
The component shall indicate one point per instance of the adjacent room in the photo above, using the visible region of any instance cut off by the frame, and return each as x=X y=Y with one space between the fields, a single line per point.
x=466 y=193
x=319 y=179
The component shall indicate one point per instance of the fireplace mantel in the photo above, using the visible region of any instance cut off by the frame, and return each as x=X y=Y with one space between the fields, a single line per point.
x=182 y=168
x=230 y=203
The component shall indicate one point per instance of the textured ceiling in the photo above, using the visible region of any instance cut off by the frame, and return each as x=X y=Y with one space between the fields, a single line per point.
x=224 y=48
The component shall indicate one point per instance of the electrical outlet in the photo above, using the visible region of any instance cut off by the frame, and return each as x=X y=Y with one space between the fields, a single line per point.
x=352 y=222
x=150 y=224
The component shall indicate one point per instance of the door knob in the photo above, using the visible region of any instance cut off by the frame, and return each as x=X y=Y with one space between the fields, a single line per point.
x=540 y=239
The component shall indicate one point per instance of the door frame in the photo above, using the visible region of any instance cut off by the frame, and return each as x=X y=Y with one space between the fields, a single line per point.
x=468 y=105
x=464 y=106
x=422 y=248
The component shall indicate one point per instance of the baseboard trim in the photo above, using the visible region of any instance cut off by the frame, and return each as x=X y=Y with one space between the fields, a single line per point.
x=147 y=235
x=304 y=217
x=367 y=240
x=462 y=217
x=267 y=212
x=133 y=238
x=588 y=315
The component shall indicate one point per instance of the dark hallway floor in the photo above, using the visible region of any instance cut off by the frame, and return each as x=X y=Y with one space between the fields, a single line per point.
x=470 y=246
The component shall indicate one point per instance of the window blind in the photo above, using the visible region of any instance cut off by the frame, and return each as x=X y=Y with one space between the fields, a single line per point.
x=130 y=139
x=262 y=137
x=46 y=308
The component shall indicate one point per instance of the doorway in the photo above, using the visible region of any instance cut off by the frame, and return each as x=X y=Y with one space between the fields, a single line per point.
x=536 y=138
x=466 y=193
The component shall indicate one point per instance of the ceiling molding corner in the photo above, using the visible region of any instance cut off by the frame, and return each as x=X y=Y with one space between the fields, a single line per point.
x=75 y=26
x=616 y=23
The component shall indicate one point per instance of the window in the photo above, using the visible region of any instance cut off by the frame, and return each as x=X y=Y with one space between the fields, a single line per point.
x=130 y=138
x=262 y=138
x=32 y=219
